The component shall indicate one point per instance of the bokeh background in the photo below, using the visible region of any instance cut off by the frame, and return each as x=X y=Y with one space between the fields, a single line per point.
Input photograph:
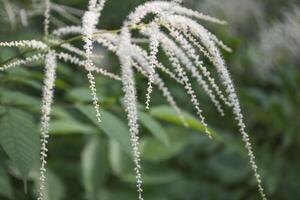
x=178 y=163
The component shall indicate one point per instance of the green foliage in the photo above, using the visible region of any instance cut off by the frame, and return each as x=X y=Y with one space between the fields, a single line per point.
x=19 y=99
x=94 y=166
x=20 y=140
x=65 y=124
x=154 y=127
x=110 y=125
x=5 y=184
x=166 y=113
x=153 y=150
x=120 y=162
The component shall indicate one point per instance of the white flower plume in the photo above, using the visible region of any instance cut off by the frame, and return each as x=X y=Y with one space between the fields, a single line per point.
x=153 y=60
x=47 y=17
x=48 y=90
x=89 y=23
x=173 y=30
x=131 y=103
x=34 y=44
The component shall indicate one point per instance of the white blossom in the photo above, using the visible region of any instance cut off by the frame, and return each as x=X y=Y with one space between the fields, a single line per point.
x=209 y=41
x=92 y=82
x=89 y=22
x=77 y=61
x=74 y=49
x=25 y=61
x=187 y=86
x=160 y=7
x=204 y=36
x=68 y=30
x=153 y=60
x=34 y=44
x=190 y=52
x=48 y=90
x=108 y=41
x=192 y=39
x=143 y=66
x=165 y=92
x=47 y=17
x=130 y=101
x=142 y=58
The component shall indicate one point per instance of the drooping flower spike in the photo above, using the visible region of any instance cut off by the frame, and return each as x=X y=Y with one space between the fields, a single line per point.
x=130 y=101
x=153 y=62
x=47 y=17
x=25 y=61
x=47 y=100
x=89 y=23
x=33 y=44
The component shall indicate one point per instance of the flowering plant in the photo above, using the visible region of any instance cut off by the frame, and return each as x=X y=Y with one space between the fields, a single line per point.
x=173 y=30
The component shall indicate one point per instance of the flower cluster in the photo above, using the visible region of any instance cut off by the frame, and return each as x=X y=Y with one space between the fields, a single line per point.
x=89 y=22
x=175 y=31
x=48 y=90
x=131 y=102
x=34 y=44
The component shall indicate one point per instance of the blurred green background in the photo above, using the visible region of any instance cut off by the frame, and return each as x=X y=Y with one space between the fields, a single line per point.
x=92 y=161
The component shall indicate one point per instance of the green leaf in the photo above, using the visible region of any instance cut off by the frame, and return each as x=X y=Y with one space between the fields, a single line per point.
x=79 y=95
x=123 y=167
x=227 y=167
x=167 y=114
x=19 y=98
x=94 y=166
x=154 y=178
x=5 y=184
x=25 y=81
x=152 y=150
x=65 y=124
x=112 y=126
x=120 y=162
x=20 y=140
x=61 y=113
x=66 y=127
x=83 y=95
x=154 y=127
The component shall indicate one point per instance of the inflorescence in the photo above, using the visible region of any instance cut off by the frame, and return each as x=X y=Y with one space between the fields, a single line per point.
x=174 y=31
